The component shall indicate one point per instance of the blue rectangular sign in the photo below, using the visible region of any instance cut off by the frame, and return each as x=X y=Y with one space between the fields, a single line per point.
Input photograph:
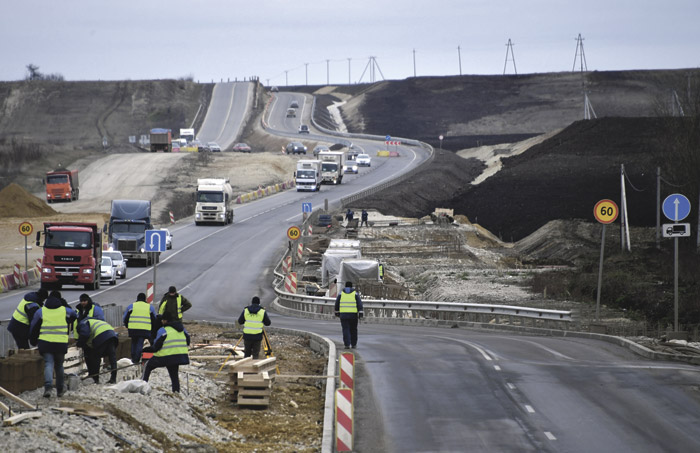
x=155 y=241
x=306 y=207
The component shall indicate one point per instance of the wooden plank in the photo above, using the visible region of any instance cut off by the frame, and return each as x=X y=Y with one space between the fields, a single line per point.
x=81 y=411
x=17 y=399
x=265 y=362
x=252 y=392
x=244 y=401
x=5 y=408
x=20 y=417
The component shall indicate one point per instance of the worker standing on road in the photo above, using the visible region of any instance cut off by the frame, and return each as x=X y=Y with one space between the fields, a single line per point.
x=364 y=217
x=349 y=215
x=22 y=317
x=348 y=306
x=174 y=303
x=169 y=350
x=98 y=339
x=49 y=330
x=87 y=308
x=253 y=318
x=139 y=318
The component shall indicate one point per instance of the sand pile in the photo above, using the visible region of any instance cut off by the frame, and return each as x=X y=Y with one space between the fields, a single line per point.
x=17 y=202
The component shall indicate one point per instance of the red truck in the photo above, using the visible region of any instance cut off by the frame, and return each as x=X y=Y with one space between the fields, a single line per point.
x=72 y=254
x=62 y=185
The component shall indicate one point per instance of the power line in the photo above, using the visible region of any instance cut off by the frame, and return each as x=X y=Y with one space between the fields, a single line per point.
x=580 y=55
x=509 y=50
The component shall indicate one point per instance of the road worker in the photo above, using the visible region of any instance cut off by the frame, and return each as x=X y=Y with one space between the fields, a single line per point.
x=49 y=330
x=253 y=318
x=140 y=319
x=169 y=350
x=348 y=307
x=174 y=303
x=87 y=308
x=98 y=339
x=22 y=317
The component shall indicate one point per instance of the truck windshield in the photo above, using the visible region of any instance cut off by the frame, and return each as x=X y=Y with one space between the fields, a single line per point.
x=210 y=197
x=57 y=179
x=68 y=240
x=329 y=166
x=128 y=228
x=306 y=174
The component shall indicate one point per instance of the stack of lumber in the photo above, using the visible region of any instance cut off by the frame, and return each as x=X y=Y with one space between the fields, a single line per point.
x=251 y=380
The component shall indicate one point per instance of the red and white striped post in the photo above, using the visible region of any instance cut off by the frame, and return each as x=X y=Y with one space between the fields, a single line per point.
x=149 y=292
x=343 y=419
x=18 y=276
x=172 y=217
x=290 y=283
x=347 y=370
x=300 y=251
x=38 y=264
x=311 y=230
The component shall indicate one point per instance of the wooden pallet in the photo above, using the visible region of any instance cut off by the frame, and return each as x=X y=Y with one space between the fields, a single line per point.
x=252 y=389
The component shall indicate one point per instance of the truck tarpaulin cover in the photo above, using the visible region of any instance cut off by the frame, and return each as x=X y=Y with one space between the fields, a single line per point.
x=330 y=263
x=352 y=270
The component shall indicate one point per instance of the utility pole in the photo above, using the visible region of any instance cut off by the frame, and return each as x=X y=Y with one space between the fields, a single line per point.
x=459 y=55
x=307 y=73
x=286 y=77
x=509 y=50
x=372 y=66
x=349 y=74
x=580 y=55
x=414 y=62
x=328 y=72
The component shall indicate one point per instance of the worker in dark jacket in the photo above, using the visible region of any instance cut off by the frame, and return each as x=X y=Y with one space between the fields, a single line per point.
x=22 y=317
x=87 y=308
x=139 y=318
x=49 y=330
x=253 y=318
x=174 y=303
x=98 y=339
x=348 y=306
x=169 y=350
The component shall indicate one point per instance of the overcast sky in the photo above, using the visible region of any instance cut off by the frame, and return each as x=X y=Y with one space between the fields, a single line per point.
x=295 y=42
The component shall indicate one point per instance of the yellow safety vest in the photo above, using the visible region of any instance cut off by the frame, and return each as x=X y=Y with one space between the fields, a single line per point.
x=253 y=321
x=161 y=310
x=175 y=343
x=96 y=328
x=54 y=327
x=140 y=318
x=20 y=313
x=348 y=304
x=381 y=271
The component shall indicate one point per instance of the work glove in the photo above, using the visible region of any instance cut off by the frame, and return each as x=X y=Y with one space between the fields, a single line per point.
x=361 y=315
x=337 y=314
x=148 y=349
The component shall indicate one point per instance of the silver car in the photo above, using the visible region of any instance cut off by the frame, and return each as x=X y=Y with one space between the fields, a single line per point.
x=118 y=261
x=108 y=273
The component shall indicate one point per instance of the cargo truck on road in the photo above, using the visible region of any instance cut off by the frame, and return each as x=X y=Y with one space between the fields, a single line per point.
x=214 y=201
x=308 y=175
x=161 y=140
x=332 y=163
x=72 y=254
x=62 y=185
x=128 y=223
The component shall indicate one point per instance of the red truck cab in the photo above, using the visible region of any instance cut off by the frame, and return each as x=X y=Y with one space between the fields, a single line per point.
x=72 y=254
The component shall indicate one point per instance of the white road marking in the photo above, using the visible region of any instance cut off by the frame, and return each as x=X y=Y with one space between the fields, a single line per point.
x=549 y=435
x=529 y=408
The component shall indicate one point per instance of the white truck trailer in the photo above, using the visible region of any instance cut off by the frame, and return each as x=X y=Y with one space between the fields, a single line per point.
x=308 y=175
x=332 y=163
x=214 y=199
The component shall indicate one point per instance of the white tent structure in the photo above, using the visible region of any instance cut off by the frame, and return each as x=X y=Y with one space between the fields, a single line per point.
x=330 y=263
x=354 y=269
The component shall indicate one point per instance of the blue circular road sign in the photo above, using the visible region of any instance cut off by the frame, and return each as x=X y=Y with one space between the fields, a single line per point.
x=676 y=207
x=388 y=138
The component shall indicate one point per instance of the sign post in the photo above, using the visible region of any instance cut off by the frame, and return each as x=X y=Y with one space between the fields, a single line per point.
x=605 y=212
x=26 y=229
x=154 y=244
x=293 y=233
x=676 y=207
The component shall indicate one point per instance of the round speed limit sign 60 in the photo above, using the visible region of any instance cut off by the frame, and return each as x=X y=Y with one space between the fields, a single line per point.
x=605 y=211
x=25 y=228
x=293 y=233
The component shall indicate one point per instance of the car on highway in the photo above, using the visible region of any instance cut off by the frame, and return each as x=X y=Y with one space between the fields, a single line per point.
x=303 y=129
x=274 y=89
x=213 y=147
x=291 y=113
x=168 y=239
x=320 y=149
x=118 y=261
x=363 y=160
x=294 y=105
x=295 y=148
x=241 y=148
x=197 y=144
x=350 y=167
x=108 y=273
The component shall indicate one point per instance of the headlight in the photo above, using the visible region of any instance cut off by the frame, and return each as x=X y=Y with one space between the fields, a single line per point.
x=197 y=215
x=67 y=194
x=221 y=216
x=45 y=270
x=87 y=271
x=143 y=250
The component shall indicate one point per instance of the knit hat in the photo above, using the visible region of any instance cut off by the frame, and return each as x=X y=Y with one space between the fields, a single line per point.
x=56 y=294
x=256 y=300
x=42 y=293
x=84 y=297
x=172 y=289
x=348 y=284
x=141 y=296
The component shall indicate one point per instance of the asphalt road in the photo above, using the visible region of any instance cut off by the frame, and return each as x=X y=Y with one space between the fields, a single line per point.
x=425 y=389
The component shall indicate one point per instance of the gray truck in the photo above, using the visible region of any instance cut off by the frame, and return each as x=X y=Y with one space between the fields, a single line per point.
x=128 y=223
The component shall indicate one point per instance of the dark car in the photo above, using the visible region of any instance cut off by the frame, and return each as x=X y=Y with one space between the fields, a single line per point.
x=303 y=129
x=294 y=105
x=241 y=148
x=295 y=148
